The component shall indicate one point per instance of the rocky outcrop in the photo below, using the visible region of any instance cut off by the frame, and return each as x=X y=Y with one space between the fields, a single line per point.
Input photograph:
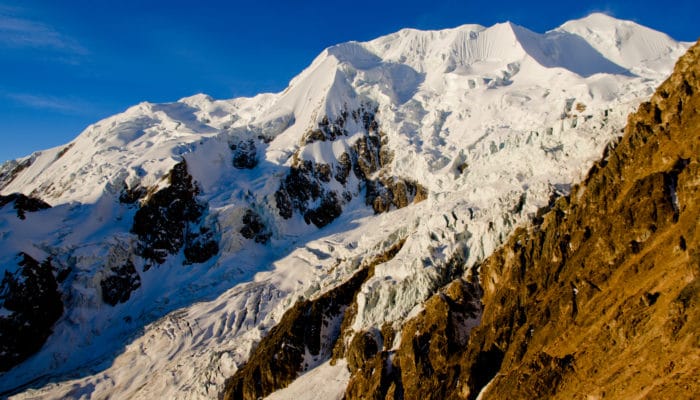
x=12 y=168
x=173 y=218
x=308 y=182
x=201 y=242
x=23 y=204
x=30 y=303
x=304 y=337
x=599 y=298
x=130 y=195
x=119 y=282
x=606 y=286
x=425 y=363
x=244 y=154
x=328 y=130
x=328 y=210
x=386 y=192
x=304 y=185
x=254 y=227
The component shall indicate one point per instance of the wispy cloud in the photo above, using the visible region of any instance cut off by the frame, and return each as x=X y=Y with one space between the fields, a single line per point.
x=16 y=32
x=50 y=103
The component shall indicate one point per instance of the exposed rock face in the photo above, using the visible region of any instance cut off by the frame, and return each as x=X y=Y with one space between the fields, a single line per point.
x=23 y=203
x=254 y=227
x=119 y=283
x=10 y=170
x=244 y=154
x=424 y=364
x=600 y=298
x=304 y=338
x=132 y=195
x=326 y=212
x=386 y=192
x=172 y=218
x=305 y=184
x=308 y=182
x=31 y=303
x=201 y=243
x=328 y=130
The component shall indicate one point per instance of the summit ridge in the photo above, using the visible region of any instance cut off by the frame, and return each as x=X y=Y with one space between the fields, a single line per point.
x=181 y=234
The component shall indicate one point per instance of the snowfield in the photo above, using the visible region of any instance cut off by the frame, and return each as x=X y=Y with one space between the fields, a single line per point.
x=491 y=121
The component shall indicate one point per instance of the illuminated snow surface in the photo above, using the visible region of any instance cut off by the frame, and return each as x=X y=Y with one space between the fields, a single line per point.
x=491 y=120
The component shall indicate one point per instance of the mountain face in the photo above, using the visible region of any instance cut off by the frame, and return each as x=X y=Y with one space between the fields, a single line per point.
x=185 y=249
x=598 y=298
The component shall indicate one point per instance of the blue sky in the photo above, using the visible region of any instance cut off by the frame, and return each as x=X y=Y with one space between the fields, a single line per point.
x=66 y=64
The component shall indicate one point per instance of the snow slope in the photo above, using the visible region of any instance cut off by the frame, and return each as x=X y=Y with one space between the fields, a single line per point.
x=491 y=121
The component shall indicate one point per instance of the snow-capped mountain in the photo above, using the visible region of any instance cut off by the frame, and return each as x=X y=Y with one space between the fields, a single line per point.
x=180 y=234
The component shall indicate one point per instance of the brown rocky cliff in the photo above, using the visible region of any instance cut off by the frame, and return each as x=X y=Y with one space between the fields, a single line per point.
x=599 y=299
x=309 y=328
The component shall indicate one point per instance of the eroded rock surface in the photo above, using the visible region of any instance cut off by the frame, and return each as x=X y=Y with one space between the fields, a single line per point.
x=599 y=298
x=304 y=338
x=173 y=217
x=309 y=183
x=119 y=282
x=23 y=204
x=30 y=303
x=254 y=227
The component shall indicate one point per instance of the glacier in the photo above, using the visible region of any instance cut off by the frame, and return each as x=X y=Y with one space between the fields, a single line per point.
x=489 y=123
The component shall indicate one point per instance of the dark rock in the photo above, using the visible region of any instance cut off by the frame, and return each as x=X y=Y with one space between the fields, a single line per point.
x=327 y=211
x=386 y=192
x=63 y=151
x=284 y=203
x=245 y=154
x=132 y=195
x=298 y=187
x=362 y=348
x=322 y=172
x=367 y=159
x=331 y=130
x=172 y=218
x=200 y=244
x=307 y=181
x=31 y=295
x=254 y=228
x=12 y=168
x=342 y=170
x=279 y=357
x=23 y=203
x=119 y=282
x=315 y=135
x=485 y=367
x=304 y=183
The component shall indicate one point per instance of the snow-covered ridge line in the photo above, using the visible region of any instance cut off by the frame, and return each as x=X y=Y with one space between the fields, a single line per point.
x=482 y=124
x=158 y=132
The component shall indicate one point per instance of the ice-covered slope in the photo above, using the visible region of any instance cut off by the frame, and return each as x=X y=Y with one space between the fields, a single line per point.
x=204 y=220
x=642 y=50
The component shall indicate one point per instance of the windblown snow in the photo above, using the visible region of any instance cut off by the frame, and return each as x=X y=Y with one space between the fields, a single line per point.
x=492 y=121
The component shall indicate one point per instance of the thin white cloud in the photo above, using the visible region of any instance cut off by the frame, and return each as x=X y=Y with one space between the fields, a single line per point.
x=18 y=32
x=50 y=103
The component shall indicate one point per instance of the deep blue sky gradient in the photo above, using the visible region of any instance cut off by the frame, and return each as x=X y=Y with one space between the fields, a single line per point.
x=66 y=64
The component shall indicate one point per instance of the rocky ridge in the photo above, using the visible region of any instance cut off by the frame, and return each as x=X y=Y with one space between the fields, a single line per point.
x=31 y=303
x=598 y=299
x=187 y=230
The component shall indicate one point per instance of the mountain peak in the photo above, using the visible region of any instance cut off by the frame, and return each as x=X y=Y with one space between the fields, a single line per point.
x=626 y=43
x=601 y=18
x=391 y=165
